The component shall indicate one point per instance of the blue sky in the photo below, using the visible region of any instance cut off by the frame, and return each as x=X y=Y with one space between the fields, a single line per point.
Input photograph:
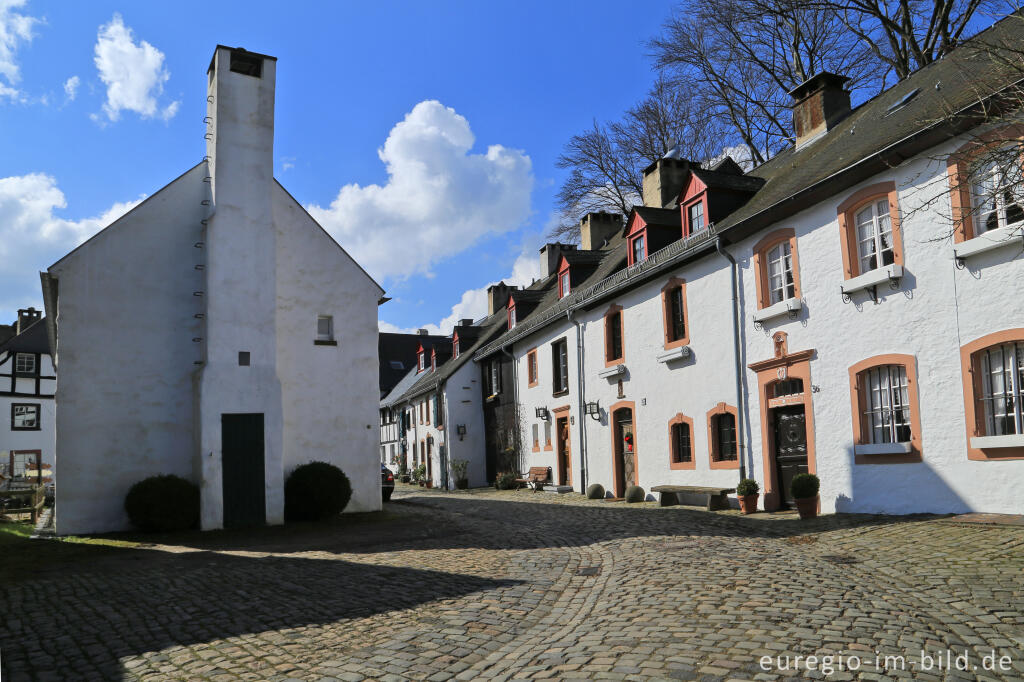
x=102 y=104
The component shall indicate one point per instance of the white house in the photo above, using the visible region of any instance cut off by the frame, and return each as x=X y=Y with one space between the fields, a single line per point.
x=849 y=308
x=26 y=400
x=216 y=332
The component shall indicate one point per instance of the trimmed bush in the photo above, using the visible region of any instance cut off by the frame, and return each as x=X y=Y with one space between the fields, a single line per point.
x=162 y=503
x=804 y=486
x=635 y=493
x=506 y=481
x=747 y=486
x=595 y=491
x=315 y=491
x=461 y=483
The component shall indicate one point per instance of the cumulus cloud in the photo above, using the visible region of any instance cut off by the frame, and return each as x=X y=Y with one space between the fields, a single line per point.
x=133 y=72
x=33 y=237
x=473 y=304
x=438 y=201
x=15 y=30
x=71 y=87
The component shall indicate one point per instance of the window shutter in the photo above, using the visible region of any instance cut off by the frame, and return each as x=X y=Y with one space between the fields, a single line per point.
x=436 y=419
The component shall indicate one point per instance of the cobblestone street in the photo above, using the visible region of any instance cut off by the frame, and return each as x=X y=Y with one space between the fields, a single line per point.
x=530 y=585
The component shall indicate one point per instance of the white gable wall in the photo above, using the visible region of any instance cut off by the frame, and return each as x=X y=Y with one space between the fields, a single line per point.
x=463 y=405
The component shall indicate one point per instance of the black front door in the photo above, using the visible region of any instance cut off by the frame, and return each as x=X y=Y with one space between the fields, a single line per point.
x=242 y=470
x=790 y=448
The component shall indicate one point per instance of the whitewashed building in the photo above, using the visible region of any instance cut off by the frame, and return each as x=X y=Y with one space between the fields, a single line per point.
x=849 y=308
x=216 y=332
x=27 y=383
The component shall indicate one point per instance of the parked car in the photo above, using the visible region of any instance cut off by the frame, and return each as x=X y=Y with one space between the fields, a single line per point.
x=387 y=482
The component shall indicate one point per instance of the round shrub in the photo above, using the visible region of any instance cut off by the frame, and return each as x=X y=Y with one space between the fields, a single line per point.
x=635 y=493
x=595 y=491
x=506 y=481
x=315 y=491
x=804 y=486
x=747 y=486
x=162 y=503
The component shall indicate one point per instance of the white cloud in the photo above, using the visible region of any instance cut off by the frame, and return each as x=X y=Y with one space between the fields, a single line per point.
x=32 y=237
x=15 y=29
x=473 y=304
x=439 y=198
x=71 y=87
x=133 y=72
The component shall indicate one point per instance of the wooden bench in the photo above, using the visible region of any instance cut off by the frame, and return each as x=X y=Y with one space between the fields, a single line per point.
x=717 y=498
x=536 y=477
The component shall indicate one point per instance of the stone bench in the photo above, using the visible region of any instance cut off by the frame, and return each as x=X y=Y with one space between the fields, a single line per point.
x=716 y=498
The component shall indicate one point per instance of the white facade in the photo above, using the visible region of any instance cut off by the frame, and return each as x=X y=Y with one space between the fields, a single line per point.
x=27 y=384
x=200 y=304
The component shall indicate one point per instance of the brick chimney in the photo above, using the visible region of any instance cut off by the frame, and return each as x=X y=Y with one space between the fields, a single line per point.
x=819 y=103
x=550 y=255
x=26 y=318
x=596 y=228
x=497 y=296
x=663 y=180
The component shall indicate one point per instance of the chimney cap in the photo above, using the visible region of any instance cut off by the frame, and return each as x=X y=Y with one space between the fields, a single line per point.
x=823 y=79
x=235 y=49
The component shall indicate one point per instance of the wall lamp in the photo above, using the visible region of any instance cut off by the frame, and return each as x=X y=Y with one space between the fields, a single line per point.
x=460 y=430
x=594 y=410
x=542 y=413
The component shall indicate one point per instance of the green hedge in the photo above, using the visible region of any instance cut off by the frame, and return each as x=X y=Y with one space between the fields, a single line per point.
x=316 y=491
x=163 y=503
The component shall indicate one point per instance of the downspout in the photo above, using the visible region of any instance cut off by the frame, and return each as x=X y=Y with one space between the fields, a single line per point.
x=580 y=390
x=515 y=397
x=741 y=411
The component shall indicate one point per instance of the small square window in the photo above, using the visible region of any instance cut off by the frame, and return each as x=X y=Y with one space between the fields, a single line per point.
x=324 y=328
x=24 y=417
x=243 y=358
x=25 y=363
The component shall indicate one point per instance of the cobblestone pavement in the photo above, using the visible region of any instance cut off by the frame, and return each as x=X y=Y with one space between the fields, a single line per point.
x=503 y=585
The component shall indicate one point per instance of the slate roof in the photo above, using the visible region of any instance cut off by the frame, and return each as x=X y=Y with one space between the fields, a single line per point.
x=403 y=385
x=397 y=347
x=874 y=137
x=32 y=340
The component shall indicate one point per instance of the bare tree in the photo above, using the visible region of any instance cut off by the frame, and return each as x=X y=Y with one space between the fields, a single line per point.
x=606 y=162
x=740 y=59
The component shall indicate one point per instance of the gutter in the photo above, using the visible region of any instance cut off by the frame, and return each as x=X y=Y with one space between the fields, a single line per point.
x=741 y=410
x=580 y=386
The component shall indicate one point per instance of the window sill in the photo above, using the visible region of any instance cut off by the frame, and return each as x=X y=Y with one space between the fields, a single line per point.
x=988 y=241
x=677 y=353
x=612 y=371
x=790 y=305
x=873 y=278
x=986 y=442
x=320 y=342
x=558 y=394
x=883 y=449
x=26 y=428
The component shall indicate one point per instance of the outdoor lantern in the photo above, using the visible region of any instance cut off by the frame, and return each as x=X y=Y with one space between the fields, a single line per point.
x=542 y=413
x=594 y=410
x=461 y=430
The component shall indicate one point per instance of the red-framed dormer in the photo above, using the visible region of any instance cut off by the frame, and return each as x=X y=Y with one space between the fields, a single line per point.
x=511 y=313
x=710 y=194
x=648 y=230
x=693 y=206
x=433 y=359
x=521 y=303
x=564 y=278
x=421 y=358
x=455 y=344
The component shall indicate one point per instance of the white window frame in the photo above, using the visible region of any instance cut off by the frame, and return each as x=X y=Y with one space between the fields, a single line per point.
x=886 y=405
x=989 y=189
x=695 y=214
x=322 y=335
x=564 y=281
x=24 y=363
x=512 y=318
x=779 y=264
x=879 y=222
x=421 y=361
x=639 y=242
x=1010 y=390
x=456 y=348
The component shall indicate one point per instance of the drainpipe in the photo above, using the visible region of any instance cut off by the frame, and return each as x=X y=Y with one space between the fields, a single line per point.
x=741 y=410
x=581 y=385
x=515 y=395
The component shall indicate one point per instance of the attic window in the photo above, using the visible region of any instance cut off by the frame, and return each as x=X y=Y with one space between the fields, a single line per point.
x=902 y=101
x=246 y=63
x=397 y=364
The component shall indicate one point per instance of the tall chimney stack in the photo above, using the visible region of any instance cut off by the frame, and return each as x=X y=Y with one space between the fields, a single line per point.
x=550 y=255
x=596 y=228
x=497 y=297
x=819 y=103
x=26 y=318
x=663 y=181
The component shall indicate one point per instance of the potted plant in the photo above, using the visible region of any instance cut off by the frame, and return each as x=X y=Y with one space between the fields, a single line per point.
x=804 y=489
x=419 y=473
x=403 y=473
x=459 y=467
x=429 y=483
x=747 y=492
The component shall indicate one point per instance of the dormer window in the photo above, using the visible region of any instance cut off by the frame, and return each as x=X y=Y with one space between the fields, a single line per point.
x=638 y=247
x=433 y=359
x=455 y=346
x=563 y=284
x=695 y=217
x=421 y=360
x=511 y=315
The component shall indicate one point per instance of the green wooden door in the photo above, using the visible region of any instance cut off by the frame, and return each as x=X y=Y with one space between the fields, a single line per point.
x=242 y=470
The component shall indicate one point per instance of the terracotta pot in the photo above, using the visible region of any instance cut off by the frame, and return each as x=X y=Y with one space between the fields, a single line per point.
x=422 y=483
x=748 y=503
x=430 y=484
x=808 y=507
